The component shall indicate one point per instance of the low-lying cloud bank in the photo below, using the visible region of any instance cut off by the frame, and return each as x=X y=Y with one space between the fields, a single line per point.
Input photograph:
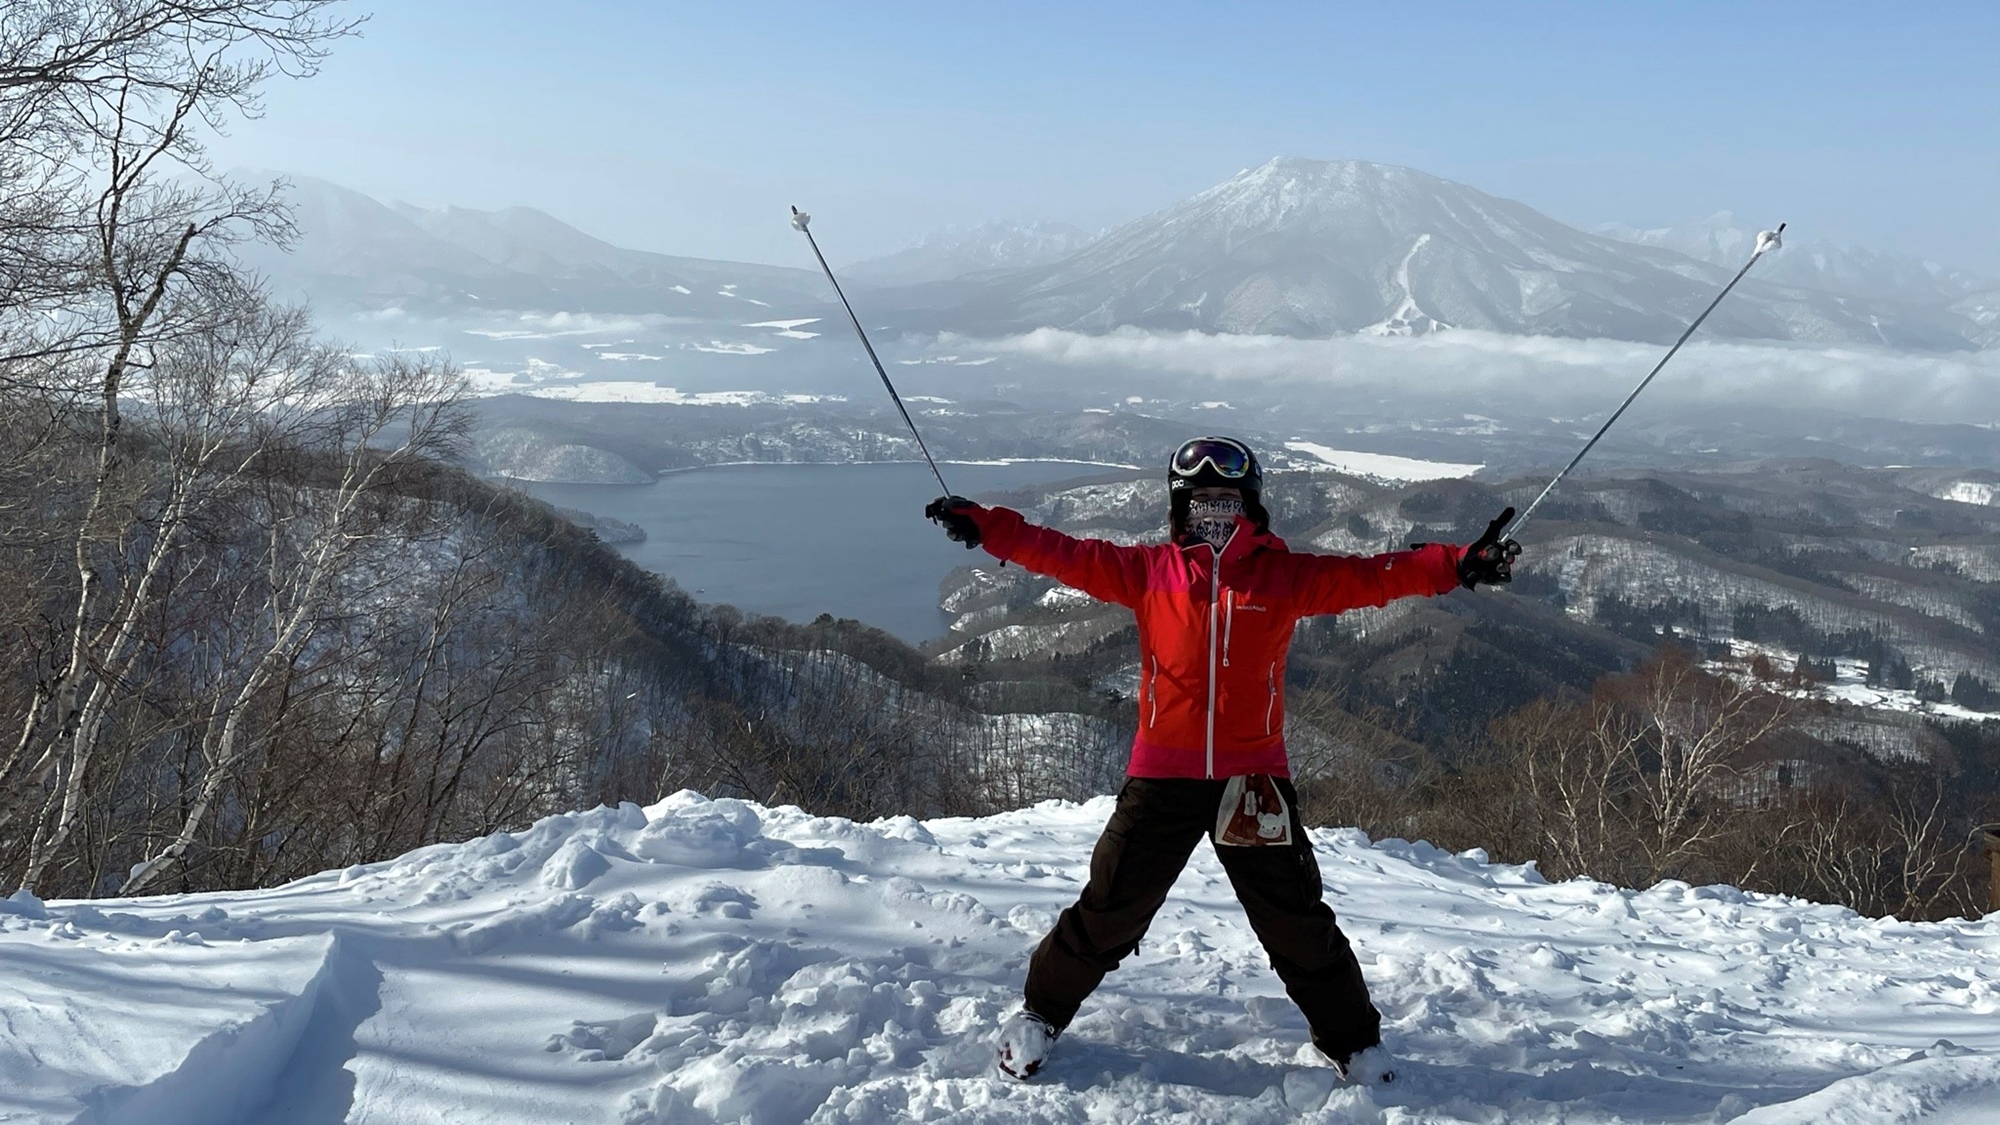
x=1551 y=371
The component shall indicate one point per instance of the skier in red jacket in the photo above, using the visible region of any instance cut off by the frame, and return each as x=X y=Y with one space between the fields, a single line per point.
x=1216 y=605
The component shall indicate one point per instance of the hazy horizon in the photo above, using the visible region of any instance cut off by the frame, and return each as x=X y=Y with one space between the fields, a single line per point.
x=690 y=130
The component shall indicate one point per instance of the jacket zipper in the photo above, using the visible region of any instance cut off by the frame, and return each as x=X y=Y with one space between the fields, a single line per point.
x=1270 y=684
x=1228 y=622
x=1214 y=596
x=1154 y=687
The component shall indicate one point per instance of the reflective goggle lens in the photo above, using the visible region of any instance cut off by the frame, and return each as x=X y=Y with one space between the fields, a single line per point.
x=1229 y=459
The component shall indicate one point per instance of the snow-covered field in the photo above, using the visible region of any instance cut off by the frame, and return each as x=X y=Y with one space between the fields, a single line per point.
x=635 y=391
x=702 y=962
x=1850 y=684
x=1381 y=466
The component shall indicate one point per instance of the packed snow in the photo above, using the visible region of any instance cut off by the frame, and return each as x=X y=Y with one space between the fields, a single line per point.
x=717 y=961
x=1381 y=466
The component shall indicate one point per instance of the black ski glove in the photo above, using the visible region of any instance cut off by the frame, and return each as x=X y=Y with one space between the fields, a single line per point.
x=1489 y=558
x=959 y=527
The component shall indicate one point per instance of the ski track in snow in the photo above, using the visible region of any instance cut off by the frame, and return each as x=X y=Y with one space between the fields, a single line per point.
x=715 y=961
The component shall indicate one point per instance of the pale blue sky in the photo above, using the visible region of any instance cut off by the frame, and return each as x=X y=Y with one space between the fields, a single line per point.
x=688 y=128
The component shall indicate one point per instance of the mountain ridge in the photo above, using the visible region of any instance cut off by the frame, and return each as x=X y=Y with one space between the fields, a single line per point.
x=1294 y=247
x=1309 y=248
x=357 y=252
x=1832 y=266
x=958 y=251
x=1812 y=262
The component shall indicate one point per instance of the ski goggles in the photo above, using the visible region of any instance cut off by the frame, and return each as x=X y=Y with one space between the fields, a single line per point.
x=1231 y=460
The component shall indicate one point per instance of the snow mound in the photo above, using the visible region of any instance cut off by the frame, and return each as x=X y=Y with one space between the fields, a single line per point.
x=709 y=961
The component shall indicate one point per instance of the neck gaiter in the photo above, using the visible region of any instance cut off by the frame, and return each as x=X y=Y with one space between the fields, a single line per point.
x=1213 y=521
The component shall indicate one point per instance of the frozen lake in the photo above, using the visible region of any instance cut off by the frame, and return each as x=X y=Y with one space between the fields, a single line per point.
x=801 y=540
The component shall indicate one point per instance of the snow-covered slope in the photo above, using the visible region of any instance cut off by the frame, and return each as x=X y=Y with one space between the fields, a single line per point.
x=715 y=961
x=1311 y=248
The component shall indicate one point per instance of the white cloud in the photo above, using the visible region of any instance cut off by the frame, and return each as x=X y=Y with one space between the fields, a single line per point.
x=1934 y=387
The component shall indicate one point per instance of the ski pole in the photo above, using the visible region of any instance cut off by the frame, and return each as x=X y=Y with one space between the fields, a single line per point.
x=1767 y=240
x=801 y=222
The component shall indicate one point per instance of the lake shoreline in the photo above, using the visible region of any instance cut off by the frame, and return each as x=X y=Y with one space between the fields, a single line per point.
x=798 y=539
x=664 y=473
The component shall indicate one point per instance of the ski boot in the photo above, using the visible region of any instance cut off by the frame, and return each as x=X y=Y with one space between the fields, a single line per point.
x=1370 y=1066
x=1025 y=1040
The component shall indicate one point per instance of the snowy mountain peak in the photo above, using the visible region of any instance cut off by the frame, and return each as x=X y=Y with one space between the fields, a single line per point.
x=1291 y=169
x=1287 y=187
x=1303 y=247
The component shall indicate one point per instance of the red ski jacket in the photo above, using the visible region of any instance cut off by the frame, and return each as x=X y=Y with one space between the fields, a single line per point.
x=1214 y=630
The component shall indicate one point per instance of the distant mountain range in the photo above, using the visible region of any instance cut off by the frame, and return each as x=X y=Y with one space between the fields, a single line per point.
x=1294 y=247
x=1315 y=248
x=956 y=252
x=356 y=253
x=1820 y=264
x=1809 y=262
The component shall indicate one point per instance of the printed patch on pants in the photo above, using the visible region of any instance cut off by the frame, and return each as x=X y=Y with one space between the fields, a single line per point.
x=1253 y=813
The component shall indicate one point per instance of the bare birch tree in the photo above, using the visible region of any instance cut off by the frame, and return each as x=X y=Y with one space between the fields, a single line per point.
x=388 y=420
x=214 y=408
x=97 y=92
x=116 y=236
x=1695 y=729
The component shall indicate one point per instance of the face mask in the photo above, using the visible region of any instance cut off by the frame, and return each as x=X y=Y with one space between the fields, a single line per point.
x=1213 y=521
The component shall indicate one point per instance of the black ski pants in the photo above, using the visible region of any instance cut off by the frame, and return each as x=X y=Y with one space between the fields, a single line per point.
x=1152 y=832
